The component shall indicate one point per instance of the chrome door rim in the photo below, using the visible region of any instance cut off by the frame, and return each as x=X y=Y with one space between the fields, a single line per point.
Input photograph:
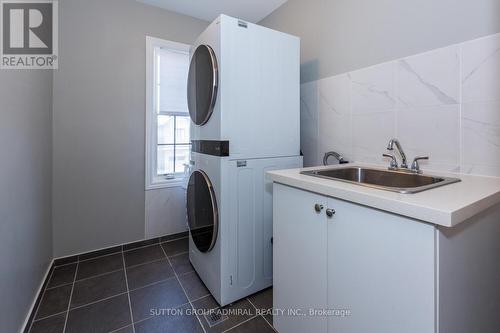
x=215 y=211
x=215 y=83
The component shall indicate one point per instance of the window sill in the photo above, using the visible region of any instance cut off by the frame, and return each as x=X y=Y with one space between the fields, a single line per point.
x=165 y=183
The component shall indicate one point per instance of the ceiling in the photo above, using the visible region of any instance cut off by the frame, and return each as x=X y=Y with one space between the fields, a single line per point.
x=208 y=10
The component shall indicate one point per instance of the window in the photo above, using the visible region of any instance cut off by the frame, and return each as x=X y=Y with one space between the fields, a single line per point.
x=168 y=142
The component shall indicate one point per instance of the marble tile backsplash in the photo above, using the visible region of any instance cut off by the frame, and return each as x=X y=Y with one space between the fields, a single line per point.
x=444 y=103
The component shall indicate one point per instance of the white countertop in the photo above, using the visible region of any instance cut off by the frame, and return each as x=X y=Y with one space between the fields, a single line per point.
x=447 y=205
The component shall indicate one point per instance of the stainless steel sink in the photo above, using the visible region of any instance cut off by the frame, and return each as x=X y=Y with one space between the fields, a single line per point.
x=395 y=181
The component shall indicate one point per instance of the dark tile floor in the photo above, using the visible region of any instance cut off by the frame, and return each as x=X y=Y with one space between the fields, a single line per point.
x=129 y=289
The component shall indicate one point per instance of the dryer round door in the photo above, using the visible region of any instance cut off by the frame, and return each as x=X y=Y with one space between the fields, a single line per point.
x=203 y=217
x=202 y=84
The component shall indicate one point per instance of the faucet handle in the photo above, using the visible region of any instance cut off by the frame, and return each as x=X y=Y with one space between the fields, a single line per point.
x=394 y=162
x=415 y=167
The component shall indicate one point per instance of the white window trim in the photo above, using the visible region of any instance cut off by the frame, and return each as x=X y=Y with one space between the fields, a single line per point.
x=152 y=180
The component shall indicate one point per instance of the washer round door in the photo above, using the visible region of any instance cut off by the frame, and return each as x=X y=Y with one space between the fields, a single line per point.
x=203 y=217
x=202 y=84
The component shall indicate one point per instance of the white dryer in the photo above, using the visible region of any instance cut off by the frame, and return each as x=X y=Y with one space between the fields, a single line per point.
x=243 y=99
x=229 y=204
x=244 y=90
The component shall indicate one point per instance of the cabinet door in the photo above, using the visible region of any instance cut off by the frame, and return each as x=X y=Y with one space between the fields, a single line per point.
x=381 y=268
x=299 y=260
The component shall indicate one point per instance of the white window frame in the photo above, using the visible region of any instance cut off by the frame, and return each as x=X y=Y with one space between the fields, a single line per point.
x=153 y=181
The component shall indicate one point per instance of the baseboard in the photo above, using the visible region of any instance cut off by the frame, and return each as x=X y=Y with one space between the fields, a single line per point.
x=36 y=300
x=117 y=248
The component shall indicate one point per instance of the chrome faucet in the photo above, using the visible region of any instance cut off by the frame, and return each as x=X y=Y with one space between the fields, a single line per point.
x=394 y=162
x=415 y=167
x=339 y=157
x=390 y=146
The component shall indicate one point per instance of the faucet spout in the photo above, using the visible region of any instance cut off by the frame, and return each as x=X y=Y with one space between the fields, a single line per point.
x=390 y=146
x=337 y=156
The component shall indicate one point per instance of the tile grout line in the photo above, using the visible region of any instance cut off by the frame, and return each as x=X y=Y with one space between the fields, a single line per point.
x=152 y=244
x=190 y=272
x=41 y=299
x=119 y=329
x=178 y=254
x=239 y=324
x=70 y=263
x=153 y=283
x=128 y=292
x=98 y=275
x=144 y=263
x=70 y=297
x=248 y=299
x=272 y=327
x=176 y=307
x=88 y=259
x=105 y=255
x=139 y=247
x=49 y=316
x=175 y=239
x=182 y=287
x=98 y=301
x=165 y=243
x=87 y=278
x=101 y=256
x=60 y=285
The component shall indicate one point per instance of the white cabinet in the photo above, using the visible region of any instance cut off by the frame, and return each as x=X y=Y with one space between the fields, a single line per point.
x=377 y=269
x=381 y=268
x=299 y=264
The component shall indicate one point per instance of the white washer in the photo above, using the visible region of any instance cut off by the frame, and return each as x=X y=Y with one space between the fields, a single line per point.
x=229 y=205
x=243 y=98
x=244 y=90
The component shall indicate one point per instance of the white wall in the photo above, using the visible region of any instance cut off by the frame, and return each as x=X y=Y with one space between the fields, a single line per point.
x=165 y=211
x=444 y=103
x=339 y=36
x=25 y=190
x=99 y=119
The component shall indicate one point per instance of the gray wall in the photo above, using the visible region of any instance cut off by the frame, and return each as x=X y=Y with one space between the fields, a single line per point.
x=25 y=190
x=99 y=119
x=342 y=35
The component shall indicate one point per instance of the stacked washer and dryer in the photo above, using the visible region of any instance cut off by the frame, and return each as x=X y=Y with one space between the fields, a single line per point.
x=243 y=98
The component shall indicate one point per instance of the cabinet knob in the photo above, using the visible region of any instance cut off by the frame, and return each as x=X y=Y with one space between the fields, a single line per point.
x=330 y=212
x=318 y=208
